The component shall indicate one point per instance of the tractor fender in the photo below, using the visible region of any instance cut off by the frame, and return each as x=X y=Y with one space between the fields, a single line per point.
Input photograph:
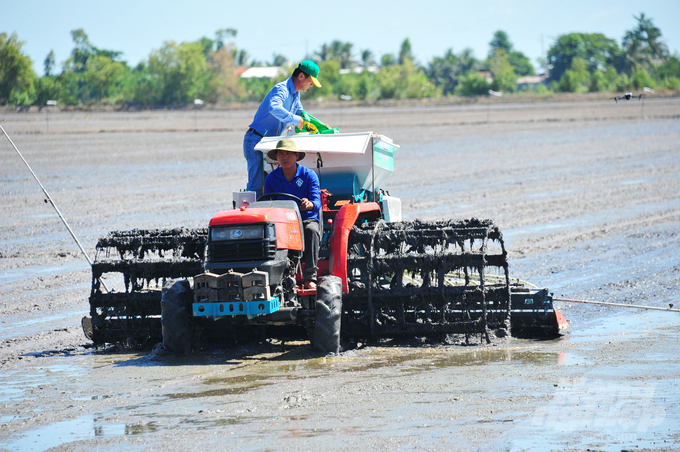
x=344 y=222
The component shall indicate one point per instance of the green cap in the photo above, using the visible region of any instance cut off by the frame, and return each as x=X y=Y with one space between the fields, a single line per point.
x=310 y=68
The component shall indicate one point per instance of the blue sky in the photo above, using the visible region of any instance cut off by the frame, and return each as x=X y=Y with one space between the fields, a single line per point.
x=293 y=28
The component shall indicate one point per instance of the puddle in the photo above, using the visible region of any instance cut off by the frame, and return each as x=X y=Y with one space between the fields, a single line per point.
x=8 y=393
x=217 y=392
x=592 y=413
x=623 y=326
x=36 y=271
x=15 y=326
x=483 y=357
x=511 y=236
x=94 y=397
x=82 y=428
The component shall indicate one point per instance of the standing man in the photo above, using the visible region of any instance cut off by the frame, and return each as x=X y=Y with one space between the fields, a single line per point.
x=300 y=181
x=281 y=107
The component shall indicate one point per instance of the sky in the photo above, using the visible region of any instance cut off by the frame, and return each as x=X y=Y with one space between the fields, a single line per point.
x=297 y=29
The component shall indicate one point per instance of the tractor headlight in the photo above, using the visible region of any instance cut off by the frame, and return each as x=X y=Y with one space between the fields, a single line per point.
x=249 y=232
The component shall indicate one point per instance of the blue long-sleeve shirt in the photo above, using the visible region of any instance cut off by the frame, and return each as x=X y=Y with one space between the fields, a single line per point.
x=279 y=108
x=305 y=184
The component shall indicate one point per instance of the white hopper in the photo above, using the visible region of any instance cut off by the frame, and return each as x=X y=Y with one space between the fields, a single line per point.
x=343 y=154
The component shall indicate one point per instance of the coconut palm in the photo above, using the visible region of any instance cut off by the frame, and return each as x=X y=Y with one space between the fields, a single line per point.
x=643 y=46
x=367 y=58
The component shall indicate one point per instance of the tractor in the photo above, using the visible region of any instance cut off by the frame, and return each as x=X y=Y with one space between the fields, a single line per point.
x=379 y=276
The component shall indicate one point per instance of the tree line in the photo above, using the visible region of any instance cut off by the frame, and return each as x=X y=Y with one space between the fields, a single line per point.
x=178 y=73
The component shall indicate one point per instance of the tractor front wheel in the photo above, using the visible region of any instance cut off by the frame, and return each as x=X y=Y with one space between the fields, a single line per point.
x=176 y=316
x=328 y=313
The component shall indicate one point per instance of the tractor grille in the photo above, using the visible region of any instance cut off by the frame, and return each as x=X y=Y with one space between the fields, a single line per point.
x=242 y=243
x=242 y=250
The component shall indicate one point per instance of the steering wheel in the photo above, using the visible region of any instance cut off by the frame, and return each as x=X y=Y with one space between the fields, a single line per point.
x=282 y=195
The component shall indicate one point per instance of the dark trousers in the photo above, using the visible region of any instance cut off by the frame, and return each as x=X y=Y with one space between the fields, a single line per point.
x=311 y=255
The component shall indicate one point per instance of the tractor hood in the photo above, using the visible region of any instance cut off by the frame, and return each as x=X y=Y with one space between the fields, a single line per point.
x=286 y=222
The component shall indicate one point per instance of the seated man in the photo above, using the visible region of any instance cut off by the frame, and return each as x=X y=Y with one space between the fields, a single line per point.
x=302 y=182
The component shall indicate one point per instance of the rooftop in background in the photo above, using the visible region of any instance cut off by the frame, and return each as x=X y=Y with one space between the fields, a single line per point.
x=261 y=72
x=359 y=70
x=531 y=79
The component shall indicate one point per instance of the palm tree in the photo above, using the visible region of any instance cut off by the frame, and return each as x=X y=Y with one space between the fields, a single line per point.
x=323 y=54
x=500 y=41
x=387 y=60
x=241 y=58
x=367 y=58
x=279 y=60
x=405 y=51
x=342 y=51
x=643 y=46
x=337 y=50
x=222 y=34
x=447 y=70
x=466 y=61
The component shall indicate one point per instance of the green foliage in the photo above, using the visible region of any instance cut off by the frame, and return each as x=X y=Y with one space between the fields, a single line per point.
x=641 y=78
x=387 y=60
x=622 y=83
x=598 y=82
x=405 y=53
x=643 y=46
x=337 y=50
x=575 y=78
x=520 y=63
x=91 y=75
x=593 y=48
x=611 y=75
x=329 y=74
x=671 y=83
x=49 y=63
x=214 y=45
x=404 y=81
x=504 y=77
x=543 y=89
x=278 y=60
x=178 y=73
x=255 y=89
x=241 y=58
x=366 y=87
x=47 y=88
x=84 y=50
x=346 y=85
x=500 y=41
x=223 y=83
x=17 y=79
x=473 y=84
x=367 y=58
x=102 y=74
x=669 y=68
x=445 y=72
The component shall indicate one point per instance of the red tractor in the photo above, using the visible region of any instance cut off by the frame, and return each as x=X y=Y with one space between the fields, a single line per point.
x=378 y=276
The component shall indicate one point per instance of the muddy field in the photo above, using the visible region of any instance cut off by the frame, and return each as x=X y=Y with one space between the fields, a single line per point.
x=587 y=195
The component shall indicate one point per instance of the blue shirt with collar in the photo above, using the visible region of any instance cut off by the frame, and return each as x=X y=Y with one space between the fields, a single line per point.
x=305 y=184
x=279 y=108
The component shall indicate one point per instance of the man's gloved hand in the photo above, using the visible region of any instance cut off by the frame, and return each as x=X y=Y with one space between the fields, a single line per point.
x=309 y=127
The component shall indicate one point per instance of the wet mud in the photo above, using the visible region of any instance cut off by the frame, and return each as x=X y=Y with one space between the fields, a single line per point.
x=584 y=193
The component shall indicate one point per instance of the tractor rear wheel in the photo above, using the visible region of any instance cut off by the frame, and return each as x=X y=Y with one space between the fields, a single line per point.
x=328 y=313
x=176 y=316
